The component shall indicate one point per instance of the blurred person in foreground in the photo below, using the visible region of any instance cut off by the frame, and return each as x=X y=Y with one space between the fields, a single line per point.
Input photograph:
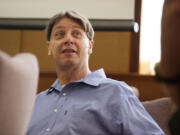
x=168 y=70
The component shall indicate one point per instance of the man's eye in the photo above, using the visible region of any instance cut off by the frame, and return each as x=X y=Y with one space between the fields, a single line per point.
x=77 y=34
x=60 y=34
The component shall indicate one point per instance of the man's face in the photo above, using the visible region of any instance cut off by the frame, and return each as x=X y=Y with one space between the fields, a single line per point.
x=69 y=44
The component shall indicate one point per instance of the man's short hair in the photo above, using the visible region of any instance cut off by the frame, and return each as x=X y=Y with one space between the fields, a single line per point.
x=75 y=16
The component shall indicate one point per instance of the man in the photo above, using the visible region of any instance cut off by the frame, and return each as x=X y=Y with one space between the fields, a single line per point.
x=81 y=102
x=168 y=70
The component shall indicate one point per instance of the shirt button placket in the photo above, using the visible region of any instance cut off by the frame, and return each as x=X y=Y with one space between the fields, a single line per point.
x=56 y=110
x=64 y=94
x=48 y=129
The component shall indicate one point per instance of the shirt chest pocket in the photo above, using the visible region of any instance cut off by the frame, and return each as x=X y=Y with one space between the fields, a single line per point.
x=85 y=119
x=84 y=114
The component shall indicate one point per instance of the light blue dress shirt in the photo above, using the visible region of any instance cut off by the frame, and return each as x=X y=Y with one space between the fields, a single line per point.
x=94 y=105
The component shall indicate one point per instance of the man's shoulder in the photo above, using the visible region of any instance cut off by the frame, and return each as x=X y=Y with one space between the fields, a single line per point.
x=113 y=82
x=42 y=93
x=118 y=87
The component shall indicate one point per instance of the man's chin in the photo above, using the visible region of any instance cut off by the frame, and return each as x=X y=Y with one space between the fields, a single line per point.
x=68 y=65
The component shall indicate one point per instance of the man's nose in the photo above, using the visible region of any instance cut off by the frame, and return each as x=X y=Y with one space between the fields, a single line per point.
x=69 y=39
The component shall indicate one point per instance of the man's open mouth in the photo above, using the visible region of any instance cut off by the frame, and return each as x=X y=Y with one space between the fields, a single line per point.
x=69 y=51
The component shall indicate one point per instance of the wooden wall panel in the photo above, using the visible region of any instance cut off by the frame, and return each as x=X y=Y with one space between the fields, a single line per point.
x=46 y=80
x=111 y=51
x=10 y=41
x=34 y=41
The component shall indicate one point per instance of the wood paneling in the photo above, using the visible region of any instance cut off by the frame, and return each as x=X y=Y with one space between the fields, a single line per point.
x=111 y=51
x=46 y=80
x=34 y=41
x=135 y=40
x=10 y=41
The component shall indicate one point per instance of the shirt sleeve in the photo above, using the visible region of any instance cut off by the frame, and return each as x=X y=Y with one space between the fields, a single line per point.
x=131 y=116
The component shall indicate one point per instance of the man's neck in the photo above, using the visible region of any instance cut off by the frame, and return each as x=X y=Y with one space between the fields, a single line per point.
x=71 y=75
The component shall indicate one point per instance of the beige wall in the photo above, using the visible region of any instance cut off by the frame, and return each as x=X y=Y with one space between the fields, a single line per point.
x=97 y=9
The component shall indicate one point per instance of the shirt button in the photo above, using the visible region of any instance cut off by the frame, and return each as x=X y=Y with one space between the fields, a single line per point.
x=55 y=110
x=47 y=129
x=64 y=94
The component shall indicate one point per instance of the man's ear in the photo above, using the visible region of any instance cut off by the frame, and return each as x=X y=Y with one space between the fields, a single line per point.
x=91 y=44
x=49 y=48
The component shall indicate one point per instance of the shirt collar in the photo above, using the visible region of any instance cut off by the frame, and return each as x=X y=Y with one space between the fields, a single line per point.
x=55 y=86
x=94 y=79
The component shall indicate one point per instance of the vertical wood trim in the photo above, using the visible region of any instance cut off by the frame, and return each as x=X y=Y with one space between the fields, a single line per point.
x=135 y=38
x=21 y=41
